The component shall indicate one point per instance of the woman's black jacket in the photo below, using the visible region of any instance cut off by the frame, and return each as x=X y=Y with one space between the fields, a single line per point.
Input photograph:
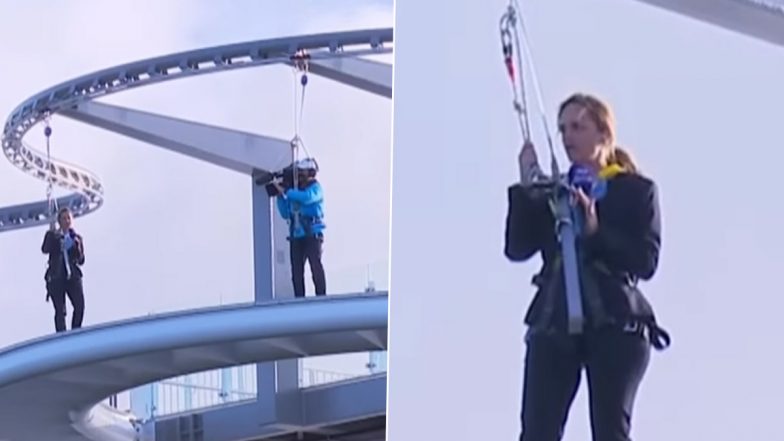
x=624 y=250
x=52 y=246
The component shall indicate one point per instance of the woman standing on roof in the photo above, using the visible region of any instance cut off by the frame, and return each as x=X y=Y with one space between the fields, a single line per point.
x=303 y=208
x=619 y=244
x=64 y=274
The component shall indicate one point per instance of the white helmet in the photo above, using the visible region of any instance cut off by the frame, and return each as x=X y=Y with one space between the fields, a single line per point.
x=307 y=164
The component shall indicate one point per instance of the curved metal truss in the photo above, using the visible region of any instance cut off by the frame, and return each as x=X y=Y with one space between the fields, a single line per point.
x=86 y=187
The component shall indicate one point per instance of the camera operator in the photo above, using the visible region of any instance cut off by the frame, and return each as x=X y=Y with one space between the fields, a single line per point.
x=64 y=274
x=303 y=208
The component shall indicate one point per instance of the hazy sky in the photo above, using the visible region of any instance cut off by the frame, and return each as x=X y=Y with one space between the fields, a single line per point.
x=163 y=212
x=697 y=105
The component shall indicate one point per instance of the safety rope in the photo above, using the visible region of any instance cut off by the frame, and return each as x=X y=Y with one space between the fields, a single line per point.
x=559 y=197
x=508 y=22
x=300 y=71
x=509 y=34
x=52 y=203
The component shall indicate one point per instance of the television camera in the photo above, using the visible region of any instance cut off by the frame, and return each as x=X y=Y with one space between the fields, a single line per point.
x=304 y=170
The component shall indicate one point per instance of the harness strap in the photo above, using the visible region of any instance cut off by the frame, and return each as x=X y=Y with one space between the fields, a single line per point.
x=305 y=221
x=658 y=337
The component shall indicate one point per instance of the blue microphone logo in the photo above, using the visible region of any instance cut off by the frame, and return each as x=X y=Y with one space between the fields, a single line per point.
x=582 y=177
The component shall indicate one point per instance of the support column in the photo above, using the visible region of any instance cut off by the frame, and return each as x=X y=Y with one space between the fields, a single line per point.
x=188 y=392
x=141 y=402
x=263 y=274
x=225 y=384
x=277 y=382
x=288 y=371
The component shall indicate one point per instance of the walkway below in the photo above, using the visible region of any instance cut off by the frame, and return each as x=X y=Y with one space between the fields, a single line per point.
x=50 y=388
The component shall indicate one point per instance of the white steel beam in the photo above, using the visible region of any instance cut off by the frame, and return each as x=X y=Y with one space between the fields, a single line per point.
x=239 y=151
x=368 y=75
x=762 y=19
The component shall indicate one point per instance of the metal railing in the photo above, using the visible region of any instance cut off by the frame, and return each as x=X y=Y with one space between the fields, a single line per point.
x=187 y=393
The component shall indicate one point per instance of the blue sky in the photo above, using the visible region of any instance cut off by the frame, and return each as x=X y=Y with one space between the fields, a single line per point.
x=698 y=106
x=163 y=211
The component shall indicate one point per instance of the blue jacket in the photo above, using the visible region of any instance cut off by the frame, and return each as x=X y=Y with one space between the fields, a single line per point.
x=309 y=204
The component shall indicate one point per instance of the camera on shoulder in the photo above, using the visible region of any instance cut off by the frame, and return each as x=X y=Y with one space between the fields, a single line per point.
x=305 y=169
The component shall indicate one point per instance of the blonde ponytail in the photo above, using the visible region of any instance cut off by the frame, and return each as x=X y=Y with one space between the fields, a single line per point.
x=622 y=157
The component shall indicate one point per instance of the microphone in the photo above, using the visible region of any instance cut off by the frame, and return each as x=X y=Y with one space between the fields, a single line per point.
x=583 y=178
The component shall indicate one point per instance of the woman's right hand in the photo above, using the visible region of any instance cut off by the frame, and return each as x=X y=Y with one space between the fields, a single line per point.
x=527 y=160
